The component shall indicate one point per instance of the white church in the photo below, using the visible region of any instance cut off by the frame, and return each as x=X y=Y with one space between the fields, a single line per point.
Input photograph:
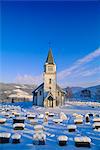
x=49 y=94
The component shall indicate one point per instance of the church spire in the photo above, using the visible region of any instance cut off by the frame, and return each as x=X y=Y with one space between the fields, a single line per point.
x=50 y=59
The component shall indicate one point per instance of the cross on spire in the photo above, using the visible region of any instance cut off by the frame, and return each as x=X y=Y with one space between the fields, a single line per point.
x=49 y=44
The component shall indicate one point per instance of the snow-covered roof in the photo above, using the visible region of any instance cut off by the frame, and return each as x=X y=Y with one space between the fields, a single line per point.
x=60 y=89
x=40 y=86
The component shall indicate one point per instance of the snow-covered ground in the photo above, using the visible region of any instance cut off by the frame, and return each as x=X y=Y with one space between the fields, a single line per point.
x=53 y=130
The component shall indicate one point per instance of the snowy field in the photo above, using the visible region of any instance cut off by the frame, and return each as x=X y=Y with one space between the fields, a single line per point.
x=51 y=129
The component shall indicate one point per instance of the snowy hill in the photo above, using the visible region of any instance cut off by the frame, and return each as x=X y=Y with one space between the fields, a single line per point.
x=74 y=89
x=16 y=91
x=22 y=92
x=84 y=94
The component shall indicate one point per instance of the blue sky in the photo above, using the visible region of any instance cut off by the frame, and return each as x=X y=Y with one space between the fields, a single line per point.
x=73 y=29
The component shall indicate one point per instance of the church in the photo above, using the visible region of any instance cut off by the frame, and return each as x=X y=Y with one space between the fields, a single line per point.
x=49 y=94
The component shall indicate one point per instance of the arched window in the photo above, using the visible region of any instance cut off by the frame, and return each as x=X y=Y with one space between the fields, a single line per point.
x=40 y=92
x=58 y=93
x=49 y=81
x=50 y=88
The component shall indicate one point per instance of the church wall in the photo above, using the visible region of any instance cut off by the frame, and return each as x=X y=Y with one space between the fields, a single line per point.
x=40 y=97
x=59 y=97
x=35 y=100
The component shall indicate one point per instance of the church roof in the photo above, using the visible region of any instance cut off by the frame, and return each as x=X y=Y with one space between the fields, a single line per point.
x=40 y=86
x=59 y=88
x=50 y=59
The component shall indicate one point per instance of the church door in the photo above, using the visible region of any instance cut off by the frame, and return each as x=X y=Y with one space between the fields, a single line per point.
x=50 y=101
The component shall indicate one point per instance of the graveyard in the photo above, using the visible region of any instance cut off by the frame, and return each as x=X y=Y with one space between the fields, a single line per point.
x=75 y=126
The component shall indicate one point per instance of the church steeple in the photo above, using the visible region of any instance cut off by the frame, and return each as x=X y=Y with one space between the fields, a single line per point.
x=50 y=59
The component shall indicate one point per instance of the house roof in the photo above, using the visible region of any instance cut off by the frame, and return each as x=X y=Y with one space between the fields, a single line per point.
x=50 y=59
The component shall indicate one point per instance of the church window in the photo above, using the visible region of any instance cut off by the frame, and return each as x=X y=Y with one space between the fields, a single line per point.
x=35 y=94
x=40 y=92
x=58 y=93
x=50 y=88
x=49 y=81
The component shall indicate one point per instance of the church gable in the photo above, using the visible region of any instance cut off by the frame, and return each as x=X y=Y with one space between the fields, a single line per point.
x=49 y=100
x=49 y=94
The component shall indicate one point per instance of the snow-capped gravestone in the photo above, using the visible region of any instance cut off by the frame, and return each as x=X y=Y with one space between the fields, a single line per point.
x=31 y=116
x=4 y=137
x=71 y=128
x=62 y=140
x=96 y=125
x=41 y=116
x=78 y=121
x=57 y=121
x=96 y=120
x=2 y=120
x=38 y=127
x=87 y=118
x=82 y=141
x=51 y=114
x=18 y=126
x=19 y=120
x=34 y=121
x=39 y=138
x=45 y=119
x=63 y=116
x=16 y=138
